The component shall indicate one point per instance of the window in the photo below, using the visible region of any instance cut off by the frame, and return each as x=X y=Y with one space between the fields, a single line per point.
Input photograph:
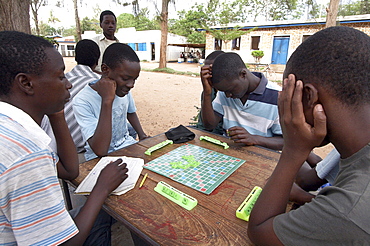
x=138 y=46
x=141 y=47
x=70 y=47
x=255 y=43
x=236 y=44
x=218 y=44
x=132 y=45
x=305 y=37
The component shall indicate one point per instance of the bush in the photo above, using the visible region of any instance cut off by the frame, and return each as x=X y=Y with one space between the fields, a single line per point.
x=257 y=54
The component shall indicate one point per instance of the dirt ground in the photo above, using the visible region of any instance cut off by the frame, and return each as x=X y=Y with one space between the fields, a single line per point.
x=164 y=101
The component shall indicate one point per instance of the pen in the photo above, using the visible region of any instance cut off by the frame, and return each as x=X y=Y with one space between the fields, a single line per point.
x=143 y=180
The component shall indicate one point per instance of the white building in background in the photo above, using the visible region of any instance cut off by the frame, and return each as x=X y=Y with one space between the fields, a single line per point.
x=146 y=43
x=66 y=45
x=278 y=39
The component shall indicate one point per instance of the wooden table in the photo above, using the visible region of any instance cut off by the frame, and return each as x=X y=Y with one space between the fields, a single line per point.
x=160 y=221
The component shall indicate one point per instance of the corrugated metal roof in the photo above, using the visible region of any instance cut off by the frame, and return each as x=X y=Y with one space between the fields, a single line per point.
x=288 y=23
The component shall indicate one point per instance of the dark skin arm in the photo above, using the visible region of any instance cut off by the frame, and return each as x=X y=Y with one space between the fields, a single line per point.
x=299 y=140
x=209 y=117
x=313 y=159
x=300 y=196
x=241 y=135
x=68 y=160
x=109 y=179
x=306 y=180
x=101 y=139
x=135 y=122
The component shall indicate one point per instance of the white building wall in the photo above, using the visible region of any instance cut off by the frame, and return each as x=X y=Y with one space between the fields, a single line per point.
x=130 y=35
x=66 y=46
x=295 y=30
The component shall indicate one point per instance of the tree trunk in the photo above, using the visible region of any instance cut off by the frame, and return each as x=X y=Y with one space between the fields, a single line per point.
x=35 y=5
x=331 y=18
x=15 y=15
x=36 y=19
x=164 y=34
x=77 y=19
x=365 y=7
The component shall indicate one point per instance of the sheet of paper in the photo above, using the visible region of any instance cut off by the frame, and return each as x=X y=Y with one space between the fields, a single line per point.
x=134 y=166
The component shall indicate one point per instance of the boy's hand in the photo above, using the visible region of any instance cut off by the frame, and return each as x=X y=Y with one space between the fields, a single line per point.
x=299 y=136
x=106 y=88
x=143 y=137
x=206 y=75
x=112 y=176
x=57 y=114
x=240 y=135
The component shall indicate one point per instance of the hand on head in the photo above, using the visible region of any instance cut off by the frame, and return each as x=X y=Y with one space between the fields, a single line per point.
x=206 y=75
x=298 y=134
x=106 y=88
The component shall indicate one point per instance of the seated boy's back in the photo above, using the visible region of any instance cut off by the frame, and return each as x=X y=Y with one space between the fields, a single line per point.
x=87 y=56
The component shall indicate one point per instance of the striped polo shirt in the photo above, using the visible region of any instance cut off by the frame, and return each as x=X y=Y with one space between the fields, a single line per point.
x=259 y=115
x=32 y=209
x=79 y=77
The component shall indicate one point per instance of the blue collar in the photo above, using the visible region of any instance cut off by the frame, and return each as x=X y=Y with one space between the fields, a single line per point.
x=262 y=85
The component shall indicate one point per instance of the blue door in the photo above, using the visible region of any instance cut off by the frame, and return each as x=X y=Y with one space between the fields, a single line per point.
x=280 y=50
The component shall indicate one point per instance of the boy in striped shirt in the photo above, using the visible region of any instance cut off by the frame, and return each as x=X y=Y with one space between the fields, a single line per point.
x=32 y=210
x=245 y=101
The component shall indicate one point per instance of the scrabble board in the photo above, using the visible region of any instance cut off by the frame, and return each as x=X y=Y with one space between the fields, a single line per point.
x=213 y=169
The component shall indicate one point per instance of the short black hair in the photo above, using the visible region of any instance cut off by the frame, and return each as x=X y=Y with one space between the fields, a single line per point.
x=211 y=57
x=87 y=53
x=20 y=53
x=117 y=53
x=338 y=59
x=226 y=67
x=106 y=12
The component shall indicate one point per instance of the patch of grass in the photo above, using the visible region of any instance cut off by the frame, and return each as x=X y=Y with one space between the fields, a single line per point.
x=171 y=71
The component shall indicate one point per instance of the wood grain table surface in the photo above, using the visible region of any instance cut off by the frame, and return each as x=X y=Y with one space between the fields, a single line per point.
x=160 y=221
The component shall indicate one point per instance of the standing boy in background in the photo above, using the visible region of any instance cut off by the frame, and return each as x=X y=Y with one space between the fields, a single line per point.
x=103 y=107
x=325 y=98
x=245 y=101
x=108 y=22
x=32 y=210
